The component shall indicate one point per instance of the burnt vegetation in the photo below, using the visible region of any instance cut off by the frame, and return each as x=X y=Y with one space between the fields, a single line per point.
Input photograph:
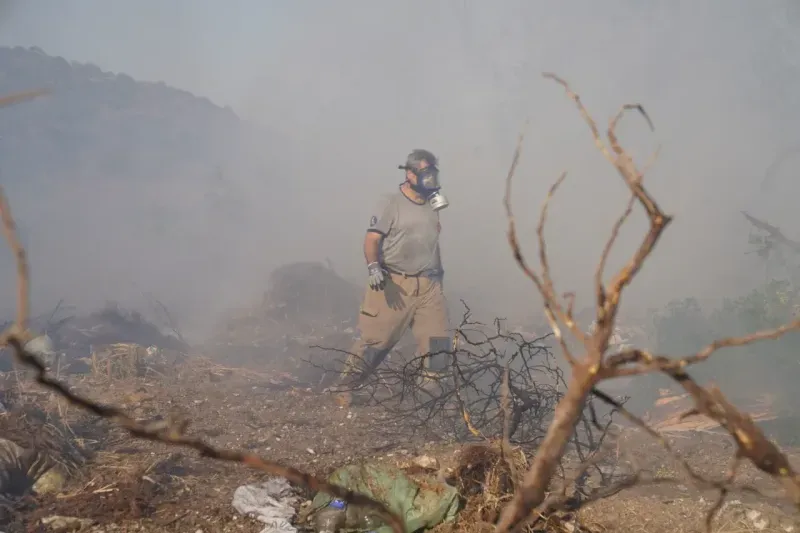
x=502 y=389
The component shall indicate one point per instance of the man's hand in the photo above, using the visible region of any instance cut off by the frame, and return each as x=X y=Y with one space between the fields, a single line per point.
x=377 y=276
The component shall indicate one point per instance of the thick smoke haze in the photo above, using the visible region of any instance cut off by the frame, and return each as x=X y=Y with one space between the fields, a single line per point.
x=342 y=91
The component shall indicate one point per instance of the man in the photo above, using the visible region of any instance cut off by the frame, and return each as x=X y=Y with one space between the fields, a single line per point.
x=405 y=272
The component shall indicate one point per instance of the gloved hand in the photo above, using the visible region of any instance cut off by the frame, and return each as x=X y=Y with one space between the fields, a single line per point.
x=377 y=276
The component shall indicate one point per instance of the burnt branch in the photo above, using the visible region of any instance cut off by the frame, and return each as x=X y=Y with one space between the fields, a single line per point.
x=495 y=384
x=594 y=366
x=498 y=386
x=773 y=236
x=172 y=432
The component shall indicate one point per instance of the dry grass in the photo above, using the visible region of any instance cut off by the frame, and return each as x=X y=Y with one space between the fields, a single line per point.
x=485 y=479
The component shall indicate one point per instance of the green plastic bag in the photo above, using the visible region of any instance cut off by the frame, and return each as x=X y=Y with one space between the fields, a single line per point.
x=422 y=505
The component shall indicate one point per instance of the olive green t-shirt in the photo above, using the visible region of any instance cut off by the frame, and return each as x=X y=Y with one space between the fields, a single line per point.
x=411 y=235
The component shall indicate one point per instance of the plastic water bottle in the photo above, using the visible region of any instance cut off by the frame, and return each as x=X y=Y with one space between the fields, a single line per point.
x=370 y=522
x=361 y=519
x=332 y=518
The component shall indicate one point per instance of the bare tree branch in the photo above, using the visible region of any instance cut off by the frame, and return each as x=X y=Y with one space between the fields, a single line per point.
x=594 y=366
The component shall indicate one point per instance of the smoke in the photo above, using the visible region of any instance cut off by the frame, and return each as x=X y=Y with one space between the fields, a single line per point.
x=341 y=92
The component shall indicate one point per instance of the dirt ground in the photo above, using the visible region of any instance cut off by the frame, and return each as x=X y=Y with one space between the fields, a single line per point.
x=131 y=485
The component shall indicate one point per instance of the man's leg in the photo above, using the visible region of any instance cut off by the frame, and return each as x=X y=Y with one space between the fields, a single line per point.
x=431 y=331
x=383 y=319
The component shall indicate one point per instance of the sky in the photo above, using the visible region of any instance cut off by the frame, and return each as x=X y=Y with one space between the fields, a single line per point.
x=352 y=86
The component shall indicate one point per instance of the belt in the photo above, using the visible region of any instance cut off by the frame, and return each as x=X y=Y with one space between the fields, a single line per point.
x=423 y=274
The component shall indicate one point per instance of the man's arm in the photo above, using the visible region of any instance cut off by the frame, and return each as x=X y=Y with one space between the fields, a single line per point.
x=372 y=246
x=380 y=224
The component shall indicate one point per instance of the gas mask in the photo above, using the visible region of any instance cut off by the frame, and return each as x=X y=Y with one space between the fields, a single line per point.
x=428 y=186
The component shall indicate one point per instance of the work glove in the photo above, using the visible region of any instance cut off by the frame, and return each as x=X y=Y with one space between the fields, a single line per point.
x=377 y=276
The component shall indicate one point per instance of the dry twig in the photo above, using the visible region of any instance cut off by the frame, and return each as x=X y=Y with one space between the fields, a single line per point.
x=498 y=385
x=594 y=366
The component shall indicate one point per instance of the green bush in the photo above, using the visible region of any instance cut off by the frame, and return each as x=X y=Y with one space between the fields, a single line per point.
x=743 y=373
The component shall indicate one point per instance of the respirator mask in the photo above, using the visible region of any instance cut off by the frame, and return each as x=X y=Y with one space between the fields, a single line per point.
x=428 y=186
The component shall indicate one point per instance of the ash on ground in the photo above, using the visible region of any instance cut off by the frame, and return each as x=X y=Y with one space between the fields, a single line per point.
x=72 y=343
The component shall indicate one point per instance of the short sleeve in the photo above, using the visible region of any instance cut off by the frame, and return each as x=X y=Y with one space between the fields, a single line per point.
x=383 y=216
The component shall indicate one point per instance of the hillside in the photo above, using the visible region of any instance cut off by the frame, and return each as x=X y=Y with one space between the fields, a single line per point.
x=102 y=123
x=142 y=182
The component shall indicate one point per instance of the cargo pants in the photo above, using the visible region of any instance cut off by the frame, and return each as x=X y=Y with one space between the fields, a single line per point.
x=417 y=302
